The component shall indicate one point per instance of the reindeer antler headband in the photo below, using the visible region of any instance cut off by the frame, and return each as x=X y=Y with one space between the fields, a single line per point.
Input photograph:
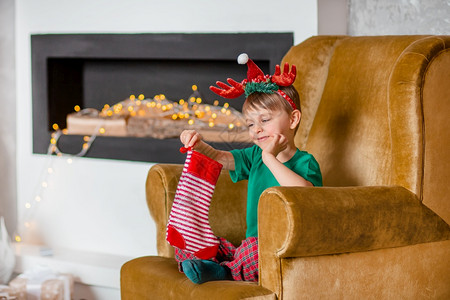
x=256 y=81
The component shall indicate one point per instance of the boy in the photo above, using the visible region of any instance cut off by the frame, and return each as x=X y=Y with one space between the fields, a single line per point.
x=272 y=113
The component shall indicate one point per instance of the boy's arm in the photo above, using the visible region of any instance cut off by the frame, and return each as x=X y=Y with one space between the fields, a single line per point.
x=191 y=138
x=284 y=175
x=223 y=157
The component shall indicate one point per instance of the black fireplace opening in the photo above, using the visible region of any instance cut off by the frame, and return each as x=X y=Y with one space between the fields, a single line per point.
x=91 y=70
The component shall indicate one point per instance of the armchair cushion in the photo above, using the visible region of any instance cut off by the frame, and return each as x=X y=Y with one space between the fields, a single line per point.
x=158 y=278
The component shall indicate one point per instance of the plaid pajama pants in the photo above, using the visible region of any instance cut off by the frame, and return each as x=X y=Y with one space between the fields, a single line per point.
x=242 y=260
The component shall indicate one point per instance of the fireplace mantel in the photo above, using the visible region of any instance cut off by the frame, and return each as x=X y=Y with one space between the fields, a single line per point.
x=91 y=70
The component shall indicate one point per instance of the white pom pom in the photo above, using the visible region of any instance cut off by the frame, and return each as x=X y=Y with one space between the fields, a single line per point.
x=242 y=59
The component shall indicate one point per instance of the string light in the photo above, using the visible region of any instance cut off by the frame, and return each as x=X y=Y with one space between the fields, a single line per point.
x=191 y=111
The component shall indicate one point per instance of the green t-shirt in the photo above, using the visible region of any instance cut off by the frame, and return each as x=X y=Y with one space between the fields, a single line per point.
x=249 y=165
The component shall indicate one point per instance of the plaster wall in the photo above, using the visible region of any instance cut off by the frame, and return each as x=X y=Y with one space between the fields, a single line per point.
x=387 y=17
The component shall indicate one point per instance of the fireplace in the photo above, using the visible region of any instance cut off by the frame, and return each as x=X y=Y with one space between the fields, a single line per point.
x=91 y=70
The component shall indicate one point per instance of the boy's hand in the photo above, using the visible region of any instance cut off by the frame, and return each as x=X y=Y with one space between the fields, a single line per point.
x=277 y=144
x=189 y=138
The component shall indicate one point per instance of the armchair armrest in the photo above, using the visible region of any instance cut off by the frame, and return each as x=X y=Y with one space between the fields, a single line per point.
x=301 y=222
x=226 y=214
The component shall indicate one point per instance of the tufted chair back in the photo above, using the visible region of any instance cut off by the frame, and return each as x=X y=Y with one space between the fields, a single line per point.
x=374 y=112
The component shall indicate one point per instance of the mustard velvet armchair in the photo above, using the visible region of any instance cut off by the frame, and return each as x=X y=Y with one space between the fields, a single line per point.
x=375 y=115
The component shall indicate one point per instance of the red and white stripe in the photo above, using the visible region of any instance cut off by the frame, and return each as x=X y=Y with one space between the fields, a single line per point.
x=189 y=214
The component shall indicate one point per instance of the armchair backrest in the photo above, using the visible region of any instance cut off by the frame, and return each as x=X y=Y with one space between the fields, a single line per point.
x=375 y=112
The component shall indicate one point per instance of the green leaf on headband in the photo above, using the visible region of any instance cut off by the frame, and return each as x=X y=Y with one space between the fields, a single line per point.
x=262 y=87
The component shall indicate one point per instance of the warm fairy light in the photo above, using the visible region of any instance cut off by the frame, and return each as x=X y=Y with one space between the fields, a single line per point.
x=50 y=170
x=55 y=126
x=228 y=112
x=109 y=113
x=211 y=124
x=65 y=131
x=102 y=130
x=162 y=96
x=27 y=205
x=207 y=108
x=223 y=110
x=44 y=184
x=149 y=104
x=141 y=97
x=192 y=99
x=194 y=87
x=133 y=113
x=214 y=115
x=216 y=102
x=226 y=105
x=77 y=108
x=132 y=97
x=164 y=107
x=86 y=138
x=69 y=161
x=130 y=108
x=18 y=238
x=37 y=199
x=138 y=102
x=186 y=115
x=231 y=125
x=191 y=122
x=174 y=117
x=106 y=106
x=158 y=105
x=198 y=100
x=181 y=101
x=53 y=141
x=85 y=145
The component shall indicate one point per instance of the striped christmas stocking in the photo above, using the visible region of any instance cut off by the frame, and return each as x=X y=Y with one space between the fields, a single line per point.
x=188 y=227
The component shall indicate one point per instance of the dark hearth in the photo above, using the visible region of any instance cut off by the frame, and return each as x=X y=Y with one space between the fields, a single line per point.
x=91 y=70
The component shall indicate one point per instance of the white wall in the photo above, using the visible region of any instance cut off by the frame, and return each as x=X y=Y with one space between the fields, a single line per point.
x=99 y=205
x=8 y=118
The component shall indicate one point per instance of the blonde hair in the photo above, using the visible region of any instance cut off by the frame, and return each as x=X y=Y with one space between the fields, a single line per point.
x=272 y=102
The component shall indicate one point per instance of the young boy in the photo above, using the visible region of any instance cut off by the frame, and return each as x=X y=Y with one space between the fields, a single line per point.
x=272 y=113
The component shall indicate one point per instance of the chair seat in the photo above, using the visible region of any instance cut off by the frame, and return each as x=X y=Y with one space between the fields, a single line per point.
x=152 y=277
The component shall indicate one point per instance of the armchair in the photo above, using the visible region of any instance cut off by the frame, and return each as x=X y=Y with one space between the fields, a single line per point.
x=375 y=116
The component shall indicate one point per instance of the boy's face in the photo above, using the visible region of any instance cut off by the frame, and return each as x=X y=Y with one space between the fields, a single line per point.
x=263 y=124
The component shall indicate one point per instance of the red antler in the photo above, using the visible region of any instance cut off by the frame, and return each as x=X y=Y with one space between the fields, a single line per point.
x=234 y=90
x=285 y=79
